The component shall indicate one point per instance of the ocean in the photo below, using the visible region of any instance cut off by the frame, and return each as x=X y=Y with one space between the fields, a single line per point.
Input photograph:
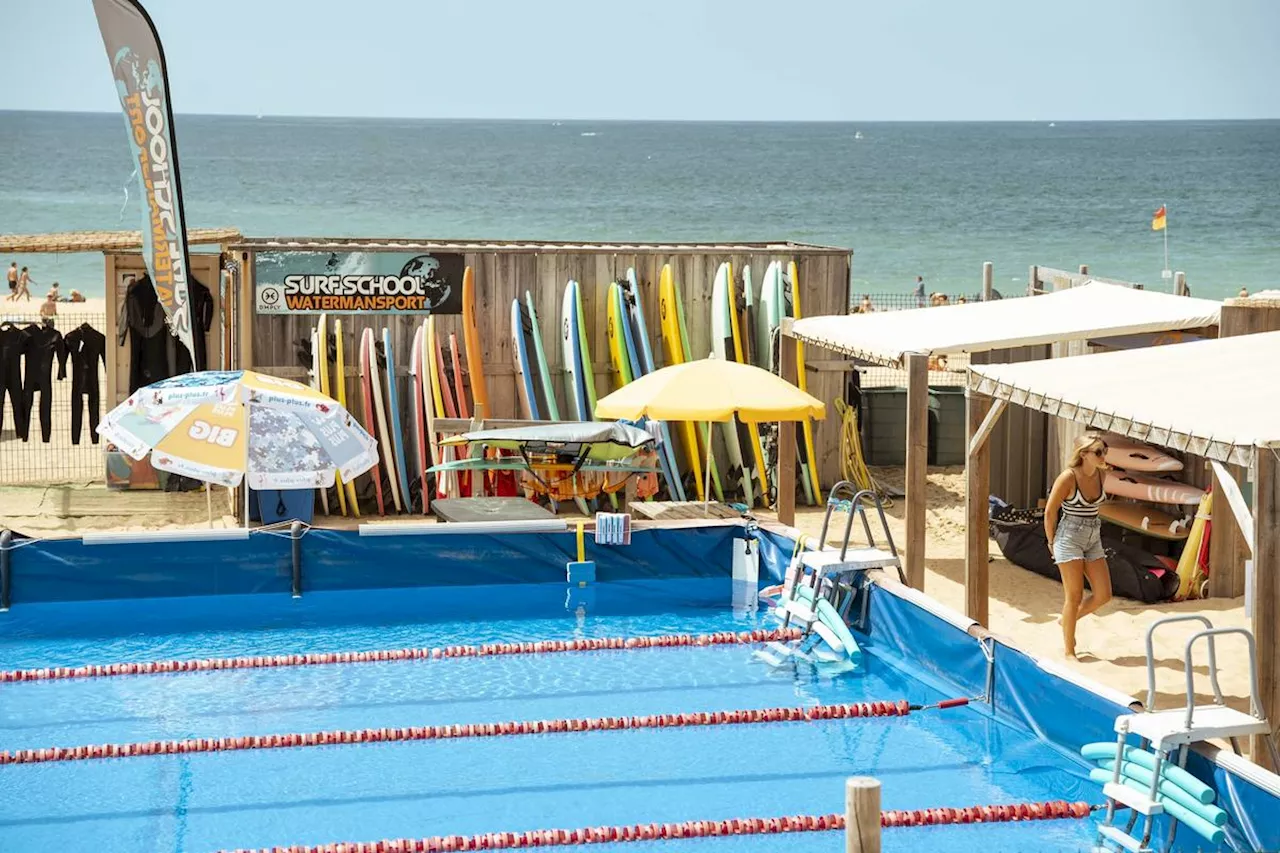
x=929 y=199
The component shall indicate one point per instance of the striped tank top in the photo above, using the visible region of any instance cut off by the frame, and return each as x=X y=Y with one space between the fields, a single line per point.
x=1078 y=506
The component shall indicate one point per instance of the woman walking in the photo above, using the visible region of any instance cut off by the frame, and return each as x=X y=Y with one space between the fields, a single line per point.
x=1074 y=530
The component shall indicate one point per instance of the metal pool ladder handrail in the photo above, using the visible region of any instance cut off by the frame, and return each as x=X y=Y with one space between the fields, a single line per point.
x=1213 y=661
x=854 y=501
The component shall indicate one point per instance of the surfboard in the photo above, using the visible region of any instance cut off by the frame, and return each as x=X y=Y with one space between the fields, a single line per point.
x=1131 y=516
x=753 y=431
x=588 y=363
x=747 y=319
x=808 y=449
x=1128 y=484
x=722 y=347
x=446 y=485
x=340 y=385
x=394 y=420
x=322 y=332
x=475 y=353
x=461 y=484
x=551 y=409
x=1135 y=456
x=428 y=404
x=617 y=346
x=569 y=344
x=524 y=370
x=419 y=416
x=768 y=306
x=315 y=383
x=370 y=420
x=640 y=335
x=1189 y=570
x=674 y=349
x=384 y=433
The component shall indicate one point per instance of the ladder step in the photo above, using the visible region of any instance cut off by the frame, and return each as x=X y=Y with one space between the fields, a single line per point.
x=1137 y=800
x=1118 y=836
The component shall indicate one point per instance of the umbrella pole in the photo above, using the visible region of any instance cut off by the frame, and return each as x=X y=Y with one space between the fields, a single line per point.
x=208 y=502
x=706 y=491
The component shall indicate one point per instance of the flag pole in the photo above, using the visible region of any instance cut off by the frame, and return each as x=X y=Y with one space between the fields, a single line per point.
x=1165 y=208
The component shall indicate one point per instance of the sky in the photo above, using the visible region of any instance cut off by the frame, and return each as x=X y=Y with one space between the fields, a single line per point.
x=799 y=60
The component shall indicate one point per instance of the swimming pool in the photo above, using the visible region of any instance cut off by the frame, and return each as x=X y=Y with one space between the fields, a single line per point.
x=208 y=801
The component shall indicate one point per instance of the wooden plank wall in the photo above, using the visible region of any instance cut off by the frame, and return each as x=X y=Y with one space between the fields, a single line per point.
x=1017 y=443
x=505 y=275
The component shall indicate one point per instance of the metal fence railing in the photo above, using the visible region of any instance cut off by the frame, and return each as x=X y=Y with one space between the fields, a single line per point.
x=37 y=442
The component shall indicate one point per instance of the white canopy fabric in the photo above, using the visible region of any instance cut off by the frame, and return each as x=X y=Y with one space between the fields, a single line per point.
x=1214 y=398
x=1093 y=309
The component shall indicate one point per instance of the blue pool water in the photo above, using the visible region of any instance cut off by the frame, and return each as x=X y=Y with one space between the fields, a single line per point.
x=365 y=792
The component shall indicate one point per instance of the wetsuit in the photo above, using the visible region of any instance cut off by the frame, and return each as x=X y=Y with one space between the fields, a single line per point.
x=13 y=345
x=86 y=346
x=142 y=321
x=201 y=301
x=45 y=346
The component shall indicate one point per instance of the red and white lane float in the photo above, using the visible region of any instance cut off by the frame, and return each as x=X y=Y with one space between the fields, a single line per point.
x=750 y=716
x=1051 y=810
x=586 y=644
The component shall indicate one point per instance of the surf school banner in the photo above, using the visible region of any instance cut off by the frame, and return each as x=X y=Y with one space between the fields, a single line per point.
x=137 y=61
x=358 y=282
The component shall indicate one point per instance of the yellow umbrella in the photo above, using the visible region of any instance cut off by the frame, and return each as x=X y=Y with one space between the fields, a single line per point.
x=710 y=390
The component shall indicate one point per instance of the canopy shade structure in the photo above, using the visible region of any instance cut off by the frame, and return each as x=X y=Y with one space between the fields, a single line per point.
x=1094 y=309
x=1213 y=398
x=710 y=389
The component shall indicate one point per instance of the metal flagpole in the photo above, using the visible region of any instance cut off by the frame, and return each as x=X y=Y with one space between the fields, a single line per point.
x=1166 y=274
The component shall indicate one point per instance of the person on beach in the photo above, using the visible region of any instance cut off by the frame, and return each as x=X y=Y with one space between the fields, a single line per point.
x=53 y=292
x=49 y=308
x=919 y=291
x=76 y=296
x=866 y=306
x=13 y=280
x=24 y=286
x=1074 y=531
x=1243 y=294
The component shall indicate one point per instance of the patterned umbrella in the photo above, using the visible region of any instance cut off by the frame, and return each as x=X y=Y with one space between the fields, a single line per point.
x=197 y=424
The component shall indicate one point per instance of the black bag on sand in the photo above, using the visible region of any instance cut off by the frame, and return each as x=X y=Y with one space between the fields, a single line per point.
x=1020 y=535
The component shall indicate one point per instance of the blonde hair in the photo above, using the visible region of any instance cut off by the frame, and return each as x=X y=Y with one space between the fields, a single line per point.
x=1082 y=445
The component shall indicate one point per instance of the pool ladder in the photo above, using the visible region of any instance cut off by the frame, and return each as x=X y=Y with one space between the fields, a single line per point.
x=1175 y=729
x=833 y=573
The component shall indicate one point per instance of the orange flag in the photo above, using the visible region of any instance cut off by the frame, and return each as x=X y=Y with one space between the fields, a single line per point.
x=1158 y=220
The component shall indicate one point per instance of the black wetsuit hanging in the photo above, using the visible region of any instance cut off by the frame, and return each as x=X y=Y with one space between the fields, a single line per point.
x=45 y=346
x=86 y=346
x=142 y=320
x=13 y=345
x=201 y=301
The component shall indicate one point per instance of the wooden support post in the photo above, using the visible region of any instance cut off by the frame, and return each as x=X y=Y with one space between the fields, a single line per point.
x=1266 y=593
x=982 y=417
x=1084 y=269
x=1180 y=284
x=917 y=465
x=988 y=280
x=862 y=815
x=1033 y=280
x=248 y=310
x=786 y=473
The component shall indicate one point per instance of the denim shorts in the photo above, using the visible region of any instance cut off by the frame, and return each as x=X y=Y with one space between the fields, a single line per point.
x=1077 y=539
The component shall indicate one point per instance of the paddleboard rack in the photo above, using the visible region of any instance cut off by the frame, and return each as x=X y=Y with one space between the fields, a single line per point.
x=822 y=585
x=1166 y=737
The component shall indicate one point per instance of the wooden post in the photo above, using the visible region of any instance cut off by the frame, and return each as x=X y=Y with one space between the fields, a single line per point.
x=1084 y=269
x=1266 y=592
x=1180 y=284
x=248 y=310
x=1033 y=280
x=977 y=471
x=861 y=815
x=917 y=464
x=1227 y=551
x=786 y=473
x=988 y=280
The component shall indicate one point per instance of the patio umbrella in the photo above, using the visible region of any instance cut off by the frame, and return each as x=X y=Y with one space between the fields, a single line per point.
x=219 y=426
x=710 y=390
x=596 y=440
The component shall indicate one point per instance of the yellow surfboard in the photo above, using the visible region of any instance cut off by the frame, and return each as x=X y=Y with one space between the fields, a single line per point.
x=675 y=355
x=471 y=342
x=757 y=449
x=617 y=347
x=1188 y=564
x=807 y=425
x=322 y=332
x=340 y=385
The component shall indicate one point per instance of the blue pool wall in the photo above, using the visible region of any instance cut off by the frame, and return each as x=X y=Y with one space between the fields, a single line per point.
x=1061 y=712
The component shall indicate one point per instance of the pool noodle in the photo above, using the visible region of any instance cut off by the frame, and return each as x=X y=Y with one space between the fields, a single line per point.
x=1143 y=774
x=1175 y=774
x=1177 y=811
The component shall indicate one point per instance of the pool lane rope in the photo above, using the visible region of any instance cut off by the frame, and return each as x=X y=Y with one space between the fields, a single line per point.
x=1051 y=810
x=811 y=713
x=586 y=644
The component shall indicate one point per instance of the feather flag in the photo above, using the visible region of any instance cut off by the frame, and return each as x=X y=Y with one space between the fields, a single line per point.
x=1158 y=220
